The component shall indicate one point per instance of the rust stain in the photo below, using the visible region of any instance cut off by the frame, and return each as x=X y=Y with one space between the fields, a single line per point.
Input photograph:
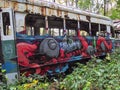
x=49 y=11
x=52 y=12
x=16 y=6
x=27 y=10
x=6 y=4
x=78 y=17
x=19 y=6
x=66 y=14
x=43 y=11
x=88 y=18
x=59 y=13
x=12 y=4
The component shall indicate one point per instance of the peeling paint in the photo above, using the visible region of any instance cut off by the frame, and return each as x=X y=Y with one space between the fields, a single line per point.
x=51 y=9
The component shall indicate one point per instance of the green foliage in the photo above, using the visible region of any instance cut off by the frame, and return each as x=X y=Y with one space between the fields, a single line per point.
x=98 y=7
x=114 y=13
x=97 y=74
x=84 y=4
x=118 y=3
x=3 y=81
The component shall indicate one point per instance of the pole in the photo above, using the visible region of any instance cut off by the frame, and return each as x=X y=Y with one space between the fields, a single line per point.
x=64 y=23
x=46 y=24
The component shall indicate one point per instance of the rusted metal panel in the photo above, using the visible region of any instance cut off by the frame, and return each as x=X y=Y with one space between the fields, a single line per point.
x=48 y=12
x=83 y=18
x=94 y=20
x=2 y=3
x=66 y=14
x=33 y=9
x=29 y=8
x=43 y=11
x=101 y=21
x=53 y=12
x=72 y=16
x=36 y=9
x=59 y=13
x=9 y=4
x=20 y=7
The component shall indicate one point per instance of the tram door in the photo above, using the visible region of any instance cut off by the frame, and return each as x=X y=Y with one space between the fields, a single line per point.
x=7 y=43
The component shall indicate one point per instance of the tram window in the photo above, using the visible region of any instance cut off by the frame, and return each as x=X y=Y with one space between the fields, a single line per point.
x=71 y=32
x=94 y=29
x=101 y=33
x=103 y=29
x=61 y=32
x=83 y=33
x=84 y=26
x=54 y=31
x=42 y=31
x=31 y=31
x=55 y=25
x=112 y=31
x=6 y=23
x=35 y=24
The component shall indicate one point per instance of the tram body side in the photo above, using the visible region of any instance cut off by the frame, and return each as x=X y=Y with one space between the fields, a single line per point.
x=28 y=47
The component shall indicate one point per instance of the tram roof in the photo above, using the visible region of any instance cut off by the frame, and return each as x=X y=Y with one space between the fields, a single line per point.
x=73 y=13
x=61 y=7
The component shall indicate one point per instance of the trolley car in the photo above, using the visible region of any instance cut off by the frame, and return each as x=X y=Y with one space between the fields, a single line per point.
x=41 y=37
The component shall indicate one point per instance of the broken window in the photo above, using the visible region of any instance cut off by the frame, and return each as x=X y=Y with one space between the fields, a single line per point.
x=6 y=23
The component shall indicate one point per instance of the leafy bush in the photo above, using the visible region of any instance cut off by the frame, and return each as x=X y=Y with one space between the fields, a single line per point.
x=97 y=74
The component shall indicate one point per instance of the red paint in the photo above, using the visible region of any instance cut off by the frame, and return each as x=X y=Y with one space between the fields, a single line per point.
x=25 y=50
x=84 y=44
x=102 y=39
